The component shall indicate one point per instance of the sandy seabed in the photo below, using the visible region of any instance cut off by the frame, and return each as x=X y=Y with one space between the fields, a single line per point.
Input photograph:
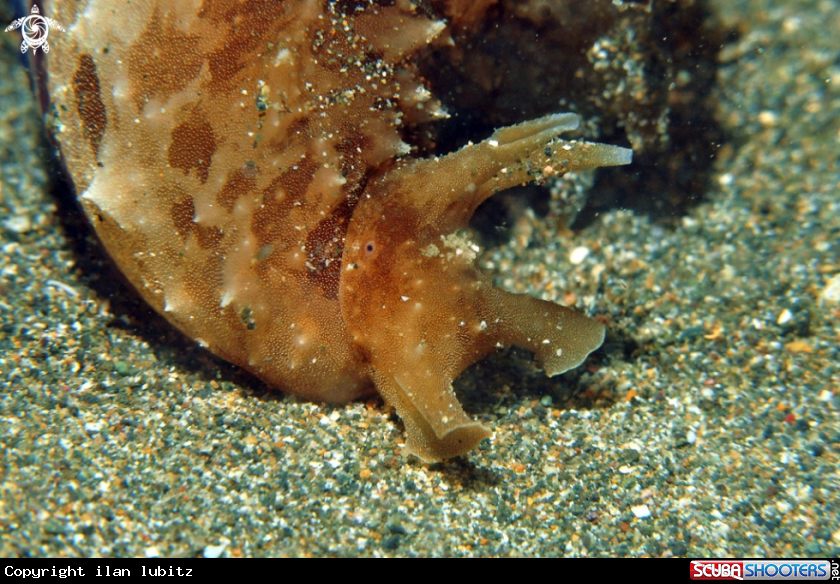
x=708 y=426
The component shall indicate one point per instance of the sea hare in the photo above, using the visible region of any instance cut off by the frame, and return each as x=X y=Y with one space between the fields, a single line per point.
x=244 y=164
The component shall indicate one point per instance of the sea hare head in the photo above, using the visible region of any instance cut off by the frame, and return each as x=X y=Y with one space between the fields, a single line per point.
x=417 y=305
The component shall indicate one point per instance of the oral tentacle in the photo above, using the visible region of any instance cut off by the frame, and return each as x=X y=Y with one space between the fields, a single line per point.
x=447 y=190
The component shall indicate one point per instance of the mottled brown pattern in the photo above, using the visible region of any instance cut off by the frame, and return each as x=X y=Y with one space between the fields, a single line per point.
x=277 y=201
x=209 y=237
x=253 y=184
x=248 y=28
x=325 y=245
x=239 y=183
x=193 y=145
x=183 y=213
x=162 y=61
x=89 y=102
x=352 y=163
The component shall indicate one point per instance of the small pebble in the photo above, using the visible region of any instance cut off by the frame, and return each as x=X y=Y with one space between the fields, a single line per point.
x=214 y=551
x=578 y=255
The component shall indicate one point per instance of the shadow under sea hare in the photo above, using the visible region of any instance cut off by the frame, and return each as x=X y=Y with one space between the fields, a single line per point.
x=245 y=165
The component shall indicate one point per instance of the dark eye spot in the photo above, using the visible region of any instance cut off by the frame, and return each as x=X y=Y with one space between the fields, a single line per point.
x=370 y=250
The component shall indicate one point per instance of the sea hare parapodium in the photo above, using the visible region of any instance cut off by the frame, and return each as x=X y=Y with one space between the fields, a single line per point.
x=244 y=165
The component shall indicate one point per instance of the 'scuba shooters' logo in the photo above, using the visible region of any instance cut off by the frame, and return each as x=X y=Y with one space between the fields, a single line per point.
x=764 y=570
x=34 y=29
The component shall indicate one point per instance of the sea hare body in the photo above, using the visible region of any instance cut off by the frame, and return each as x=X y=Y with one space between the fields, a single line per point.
x=243 y=163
